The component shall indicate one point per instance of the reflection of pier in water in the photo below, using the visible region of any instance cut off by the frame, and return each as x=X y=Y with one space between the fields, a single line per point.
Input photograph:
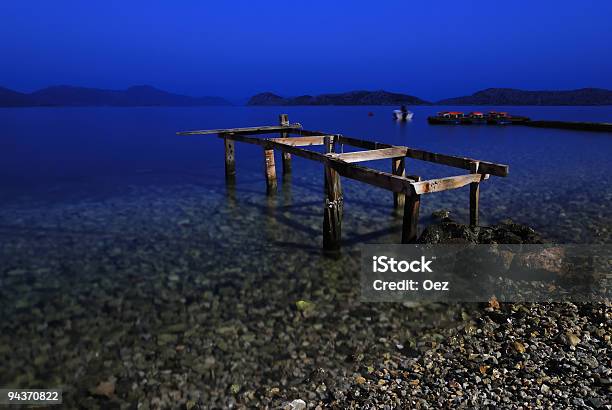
x=407 y=189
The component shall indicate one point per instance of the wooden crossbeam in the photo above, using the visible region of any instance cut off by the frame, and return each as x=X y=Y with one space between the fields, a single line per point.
x=374 y=177
x=499 y=170
x=485 y=167
x=444 y=184
x=300 y=141
x=246 y=130
x=371 y=155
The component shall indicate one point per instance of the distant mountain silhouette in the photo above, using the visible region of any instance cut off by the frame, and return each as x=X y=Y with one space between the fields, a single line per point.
x=10 y=98
x=349 y=98
x=510 y=96
x=64 y=95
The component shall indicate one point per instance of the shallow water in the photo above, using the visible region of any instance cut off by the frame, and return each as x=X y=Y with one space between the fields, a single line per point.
x=120 y=242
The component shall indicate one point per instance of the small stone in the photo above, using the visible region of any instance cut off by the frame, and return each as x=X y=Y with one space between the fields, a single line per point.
x=360 y=379
x=572 y=339
x=297 y=404
x=304 y=306
x=544 y=388
x=106 y=389
x=519 y=347
x=494 y=303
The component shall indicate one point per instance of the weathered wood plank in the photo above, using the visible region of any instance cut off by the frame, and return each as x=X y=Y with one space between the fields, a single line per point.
x=398 y=167
x=265 y=129
x=499 y=170
x=371 y=155
x=443 y=184
x=300 y=141
x=411 y=218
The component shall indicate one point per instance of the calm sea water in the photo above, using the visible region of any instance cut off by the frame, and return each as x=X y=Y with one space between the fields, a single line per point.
x=123 y=256
x=559 y=180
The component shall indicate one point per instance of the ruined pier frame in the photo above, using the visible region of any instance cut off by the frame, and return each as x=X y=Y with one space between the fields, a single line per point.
x=407 y=189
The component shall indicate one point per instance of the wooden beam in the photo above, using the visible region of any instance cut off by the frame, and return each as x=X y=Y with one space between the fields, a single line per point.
x=283 y=121
x=398 y=167
x=371 y=155
x=499 y=170
x=230 y=159
x=443 y=184
x=411 y=218
x=474 y=197
x=300 y=141
x=371 y=176
x=332 y=213
x=333 y=208
x=270 y=171
x=265 y=129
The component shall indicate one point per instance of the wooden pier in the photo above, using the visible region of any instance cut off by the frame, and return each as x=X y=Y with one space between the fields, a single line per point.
x=407 y=189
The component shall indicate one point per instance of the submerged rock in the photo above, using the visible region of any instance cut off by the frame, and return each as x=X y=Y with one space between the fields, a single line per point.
x=450 y=232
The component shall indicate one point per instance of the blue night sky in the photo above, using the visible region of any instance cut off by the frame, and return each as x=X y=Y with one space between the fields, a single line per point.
x=237 y=48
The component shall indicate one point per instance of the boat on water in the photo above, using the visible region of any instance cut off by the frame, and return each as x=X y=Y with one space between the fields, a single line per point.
x=402 y=114
x=474 y=118
x=446 y=117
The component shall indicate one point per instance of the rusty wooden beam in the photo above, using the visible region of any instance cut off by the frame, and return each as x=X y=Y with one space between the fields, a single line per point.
x=300 y=141
x=485 y=167
x=371 y=155
x=444 y=184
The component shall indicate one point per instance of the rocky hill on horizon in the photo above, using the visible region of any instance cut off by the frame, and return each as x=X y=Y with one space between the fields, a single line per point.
x=511 y=96
x=71 y=96
x=360 y=97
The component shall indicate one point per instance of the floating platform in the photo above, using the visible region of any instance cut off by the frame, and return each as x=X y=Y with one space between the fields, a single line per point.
x=407 y=189
x=571 y=125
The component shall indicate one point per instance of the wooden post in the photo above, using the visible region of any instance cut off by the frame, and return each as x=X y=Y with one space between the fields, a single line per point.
x=332 y=213
x=230 y=159
x=398 y=167
x=411 y=217
x=270 y=171
x=284 y=121
x=474 y=196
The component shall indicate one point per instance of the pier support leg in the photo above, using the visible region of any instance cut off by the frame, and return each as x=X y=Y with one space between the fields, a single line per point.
x=270 y=171
x=286 y=163
x=474 y=197
x=283 y=120
x=332 y=214
x=411 y=218
x=398 y=167
x=230 y=160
